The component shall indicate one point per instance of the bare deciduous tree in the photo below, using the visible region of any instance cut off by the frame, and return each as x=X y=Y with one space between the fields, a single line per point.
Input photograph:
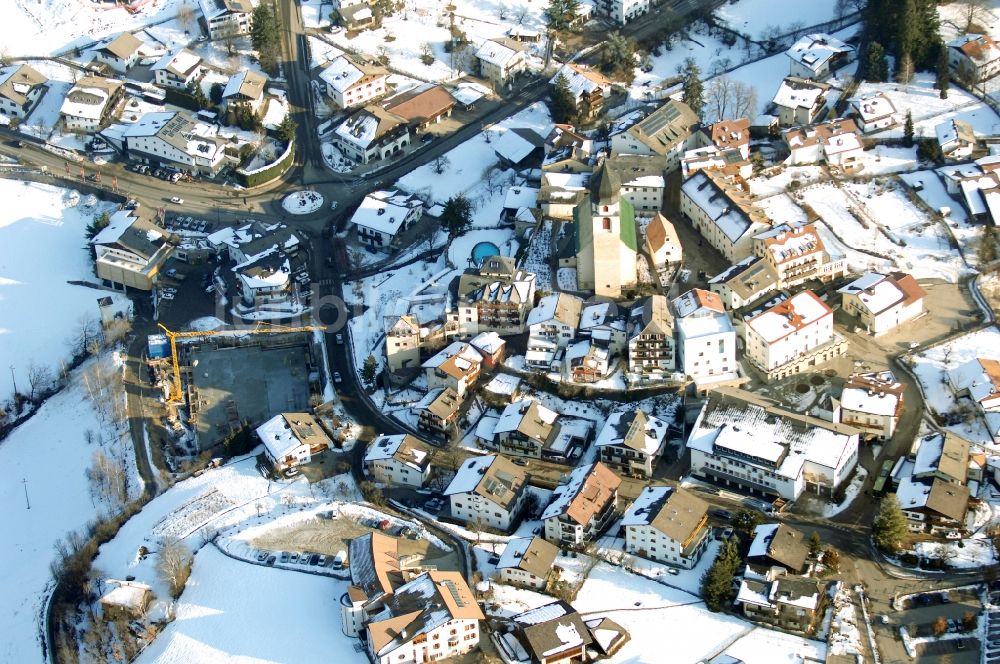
x=107 y=480
x=974 y=12
x=86 y=332
x=173 y=564
x=727 y=99
x=441 y=163
x=39 y=377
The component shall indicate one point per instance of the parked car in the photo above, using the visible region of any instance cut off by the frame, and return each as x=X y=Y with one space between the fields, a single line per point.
x=322 y=560
x=337 y=378
x=285 y=556
x=945 y=597
x=270 y=560
x=294 y=558
x=340 y=560
x=707 y=489
x=673 y=571
x=519 y=462
x=262 y=556
x=176 y=200
x=339 y=338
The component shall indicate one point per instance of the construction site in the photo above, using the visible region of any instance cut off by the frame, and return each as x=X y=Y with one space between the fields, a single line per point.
x=219 y=381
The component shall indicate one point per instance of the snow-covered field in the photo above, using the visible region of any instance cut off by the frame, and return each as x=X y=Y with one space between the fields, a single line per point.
x=47 y=458
x=752 y=17
x=42 y=246
x=766 y=646
x=237 y=612
x=965 y=554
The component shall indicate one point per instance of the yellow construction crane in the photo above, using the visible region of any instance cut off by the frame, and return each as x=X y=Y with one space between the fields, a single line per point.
x=176 y=393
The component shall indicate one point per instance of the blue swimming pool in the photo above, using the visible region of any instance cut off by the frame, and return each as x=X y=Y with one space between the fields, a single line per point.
x=484 y=250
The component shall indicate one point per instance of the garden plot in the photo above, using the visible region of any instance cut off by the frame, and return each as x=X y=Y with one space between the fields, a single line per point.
x=931 y=367
x=192 y=515
x=655 y=615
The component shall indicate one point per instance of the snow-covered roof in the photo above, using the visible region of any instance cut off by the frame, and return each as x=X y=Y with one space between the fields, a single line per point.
x=878 y=292
x=468 y=93
x=981 y=49
x=503 y=384
x=385 y=211
x=815 y=50
x=866 y=401
x=499 y=51
x=581 y=80
x=88 y=97
x=634 y=429
x=368 y=125
x=520 y=197
x=560 y=307
x=517 y=143
x=718 y=202
x=490 y=476
x=584 y=493
x=952 y=134
x=341 y=73
x=404 y=448
x=181 y=63
x=799 y=93
x=873 y=107
x=286 y=432
x=789 y=316
x=131 y=595
x=517 y=413
x=246 y=83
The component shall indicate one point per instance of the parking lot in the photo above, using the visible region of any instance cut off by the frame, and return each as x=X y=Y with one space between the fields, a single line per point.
x=918 y=614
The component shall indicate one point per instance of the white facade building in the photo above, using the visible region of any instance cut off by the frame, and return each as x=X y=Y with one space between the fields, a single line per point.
x=623 y=11
x=176 y=139
x=792 y=335
x=350 y=84
x=723 y=213
x=706 y=340
x=667 y=525
x=291 y=439
x=382 y=215
x=883 y=302
x=400 y=459
x=178 y=69
x=21 y=87
x=487 y=490
x=227 y=18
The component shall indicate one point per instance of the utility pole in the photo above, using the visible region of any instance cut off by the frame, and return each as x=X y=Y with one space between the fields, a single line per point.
x=12 y=379
x=26 y=502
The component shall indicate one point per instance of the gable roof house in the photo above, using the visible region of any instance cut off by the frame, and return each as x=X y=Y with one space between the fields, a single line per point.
x=372 y=133
x=933 y=506
x=956 y=138
x=500 y=60
x=456 y=366
x=21 y=86
x=874 y=112
x=722 y=146
x=663 y=133
x=631 y=443
x=120 y=53
x=745 y=282
x=401 y=459
x=126 y=600
x=91 y=102
x=651 y=342
x=797 y=254
x=942 y=457
x=350 y=83
x=974 y=57
x=527 y=562
x=227 y=18
x=800 y=101
x=520 y=147
x=130 y=251
x=667 y=525
x=488 y=490
x=438 y=411
x=176 y=139
x=383 y=215
x=787 y=602
x=588 y=87
x=883 y=302
x=422 y=106
x=244 y=88
x=979 y=379
x=291 y=439
x=583 y=506
x=778 y=545
x=496 y=297
x=872 y=403
x=177 y=69
x=662 y=243
x=355 y=15
x=723 y=212
x=817 y=56
x=556 y=318
x=838 y=142
x=549 y=634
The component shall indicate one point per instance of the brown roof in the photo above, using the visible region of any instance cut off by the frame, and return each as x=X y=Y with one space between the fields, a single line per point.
x=656 y=316
x=665 y=127
x=600 y=486
x=123 y=46
x=775 y=242
x=788 y=547
x=681 y=517
x=977 y=47
x=821 y=133
x=502 y=482
x=538 y=557
x=949 y=500
x=909 y=286
x=954 y=461
x=422 y=105
x=659 y=231
x=459 y=366
x=729 y=133
x=595 y=77
x=541 y=630
x=306 y=429
x=446 y=404
x=708 y=299
x=374 y=563
x=23 y=75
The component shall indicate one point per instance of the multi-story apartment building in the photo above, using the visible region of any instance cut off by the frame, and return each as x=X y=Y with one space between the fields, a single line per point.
x=527 y=562
x=651 y=339
x=883 y=302
x=667 y=525
x=177 y=69
x=456 y=367
x=583 y=506
x=501 y=60
x=401 y=459
x=488 y=491
x=723 y=212
x=623 y=11
x=20 y=89
x=226 y=19
x=872 y=403
x=705 y=338
x=350 y=84
x=631 y=443
x=496 y=298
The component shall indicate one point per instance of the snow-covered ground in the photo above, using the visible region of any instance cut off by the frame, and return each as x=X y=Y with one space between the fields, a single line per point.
x=46 y=458
x=237 y=612
x=767 y=646
x=753 y=17
x=43 y=221
x=302 y=202
x=964 y=554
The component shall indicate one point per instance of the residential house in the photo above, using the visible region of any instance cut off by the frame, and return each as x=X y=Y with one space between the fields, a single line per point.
x=177 y=69
x=933 y=506
x=437 y=412
x=667 y=525
x=355 y=16
x=495 y=297
x=502 y=390
x=291 y=439
x=126 y=600
x=383 y=215
x=622 y=11
x=527 y=562
x=787 y=602
x=942 y=456
x=90 y=103
x=528 y=429
x=456 y=367
x=872 y=402
x=791 y=336
x=519 y=147
x=651 y=344
x=227 y=18
x=973 y=57
x=608 y=635
x=874 y=112
x=176 y=139
x=640 y=181
x=956 y=139
x=422 y=106
x=562 y=193
x=130 y=251
x=556 y=318
x=778 y=545
x=744 y=440
x=245 y=88
x=567 y=150
x=269 y=283
x=488 y=491
x=349 y=83
x=817 y=56
x=20 y=89
x=401 y=460
x=705 y=338
x=121 y=53
x=605 y=235
x=377 y=569
x=723 y=212
x=602 y=322
x=433 y=617
x=797 y=254
x=722 y=146
x=553 y=633
x=583 y=506
x=883 y=302
x=589 y=360
x=662 y=243
x=979 y=379
x=838 y=142
x=402 y=344
x=491 y=347
x=800 y=101
x=588 y=87
x=745 y=282
x=631 y=443
x=501 y=60
x=372 y=133
x=663 y=133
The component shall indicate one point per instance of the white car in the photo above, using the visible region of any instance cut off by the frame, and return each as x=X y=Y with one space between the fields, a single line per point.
x=177 y=200
x=333 y=206
x=100 y=161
